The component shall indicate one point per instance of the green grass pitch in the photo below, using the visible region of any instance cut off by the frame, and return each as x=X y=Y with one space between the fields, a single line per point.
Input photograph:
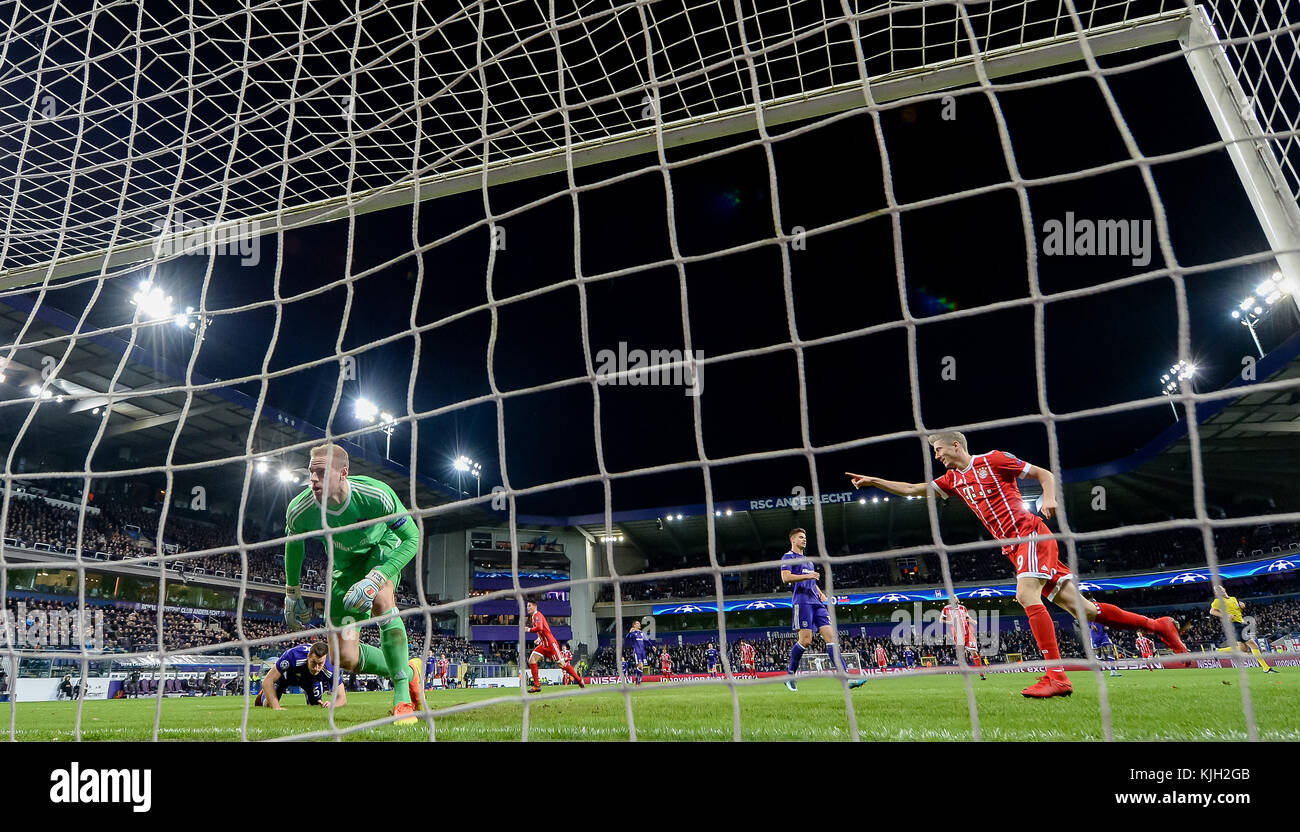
x=1145 y=705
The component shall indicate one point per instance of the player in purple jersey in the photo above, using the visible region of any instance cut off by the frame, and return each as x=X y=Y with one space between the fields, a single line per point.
x=809 y=604
x=635 y=641
x=711 y=655
x=304 y=666
x=1102 y=645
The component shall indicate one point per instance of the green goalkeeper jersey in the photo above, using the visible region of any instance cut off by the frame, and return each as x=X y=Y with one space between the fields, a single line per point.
x=387 y=546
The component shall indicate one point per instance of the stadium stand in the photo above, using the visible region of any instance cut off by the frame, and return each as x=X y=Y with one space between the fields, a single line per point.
x=1276 y=617
x=1164 y=550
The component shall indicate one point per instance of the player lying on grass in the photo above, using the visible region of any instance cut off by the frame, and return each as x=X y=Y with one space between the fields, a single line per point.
x=546 y=647
x=1226 y=605
x=367 y=562
x=987 y=484
x=809 y=607
x=305 y=666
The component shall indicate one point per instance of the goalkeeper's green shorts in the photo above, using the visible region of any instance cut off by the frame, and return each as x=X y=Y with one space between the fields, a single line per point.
x=343 y=580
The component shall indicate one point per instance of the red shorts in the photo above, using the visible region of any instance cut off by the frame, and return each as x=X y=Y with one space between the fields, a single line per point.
x=1040 y=558
x=667 y=668
x=548 y=651
x=747 y=666
x=1146 y=654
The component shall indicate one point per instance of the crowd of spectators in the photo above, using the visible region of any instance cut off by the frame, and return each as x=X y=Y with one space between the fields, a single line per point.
x=136 y=631
x=33 y=520
x=462 y=650
x=1162 y=550
x=1200 y=631
x=1271 y=619
x=749 y=582
x=122 y=530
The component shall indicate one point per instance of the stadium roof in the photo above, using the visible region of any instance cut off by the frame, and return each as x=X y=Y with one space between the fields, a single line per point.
x=143 y=422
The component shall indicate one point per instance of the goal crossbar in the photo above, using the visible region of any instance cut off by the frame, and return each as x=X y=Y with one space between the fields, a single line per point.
x=1166 y=27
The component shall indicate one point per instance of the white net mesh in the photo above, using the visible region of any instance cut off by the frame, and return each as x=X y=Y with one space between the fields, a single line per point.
x=129 y=126
x=1262 y=41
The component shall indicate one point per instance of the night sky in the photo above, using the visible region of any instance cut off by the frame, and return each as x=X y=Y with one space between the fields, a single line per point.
x=963 y=254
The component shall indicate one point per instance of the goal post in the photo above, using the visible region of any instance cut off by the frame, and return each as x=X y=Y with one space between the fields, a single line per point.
x=813 y=663
x=630 y=134
x=1256 y=151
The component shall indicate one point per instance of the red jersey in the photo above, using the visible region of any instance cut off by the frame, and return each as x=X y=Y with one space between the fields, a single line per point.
x=747 y=653
x=568 y=655
x=881 y=656
x=665 y=660
x=988 y=486
x=958 y=618
x=1146 y=647
x=537 y=624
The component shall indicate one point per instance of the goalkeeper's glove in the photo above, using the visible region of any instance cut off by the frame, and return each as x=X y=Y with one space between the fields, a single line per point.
x=361 y=597
x=296 y=612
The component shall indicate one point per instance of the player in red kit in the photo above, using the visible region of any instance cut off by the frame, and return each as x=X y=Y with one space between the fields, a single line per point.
x=747 y=656
x=1146 y=647
x=666 y=665
x=882 y=658
x=959 y=621
x=566 y=656
x=547 y=647
x=987 y=484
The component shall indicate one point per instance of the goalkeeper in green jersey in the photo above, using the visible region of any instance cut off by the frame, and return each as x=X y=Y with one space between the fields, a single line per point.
x=368 y=562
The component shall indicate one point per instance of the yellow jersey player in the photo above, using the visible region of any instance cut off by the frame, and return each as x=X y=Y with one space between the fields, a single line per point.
x=1226 y=605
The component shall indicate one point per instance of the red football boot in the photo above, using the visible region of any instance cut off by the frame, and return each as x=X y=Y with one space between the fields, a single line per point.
x=1047 y=687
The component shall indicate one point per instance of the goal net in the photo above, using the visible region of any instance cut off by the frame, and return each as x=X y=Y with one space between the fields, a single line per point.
x=821 y=663
x=221 y=216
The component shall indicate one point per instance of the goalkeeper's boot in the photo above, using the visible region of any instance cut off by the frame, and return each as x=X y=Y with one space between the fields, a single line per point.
x=1167 y=629
x=1047 y=687
x=855 y=685
x=413 y=684
x=790 y=685
x=405 y=710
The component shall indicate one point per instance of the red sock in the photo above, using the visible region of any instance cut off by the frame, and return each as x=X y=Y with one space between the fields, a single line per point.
x=1045 y=634
x=1113 y=616
x=536 y=682
x=568 y=668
